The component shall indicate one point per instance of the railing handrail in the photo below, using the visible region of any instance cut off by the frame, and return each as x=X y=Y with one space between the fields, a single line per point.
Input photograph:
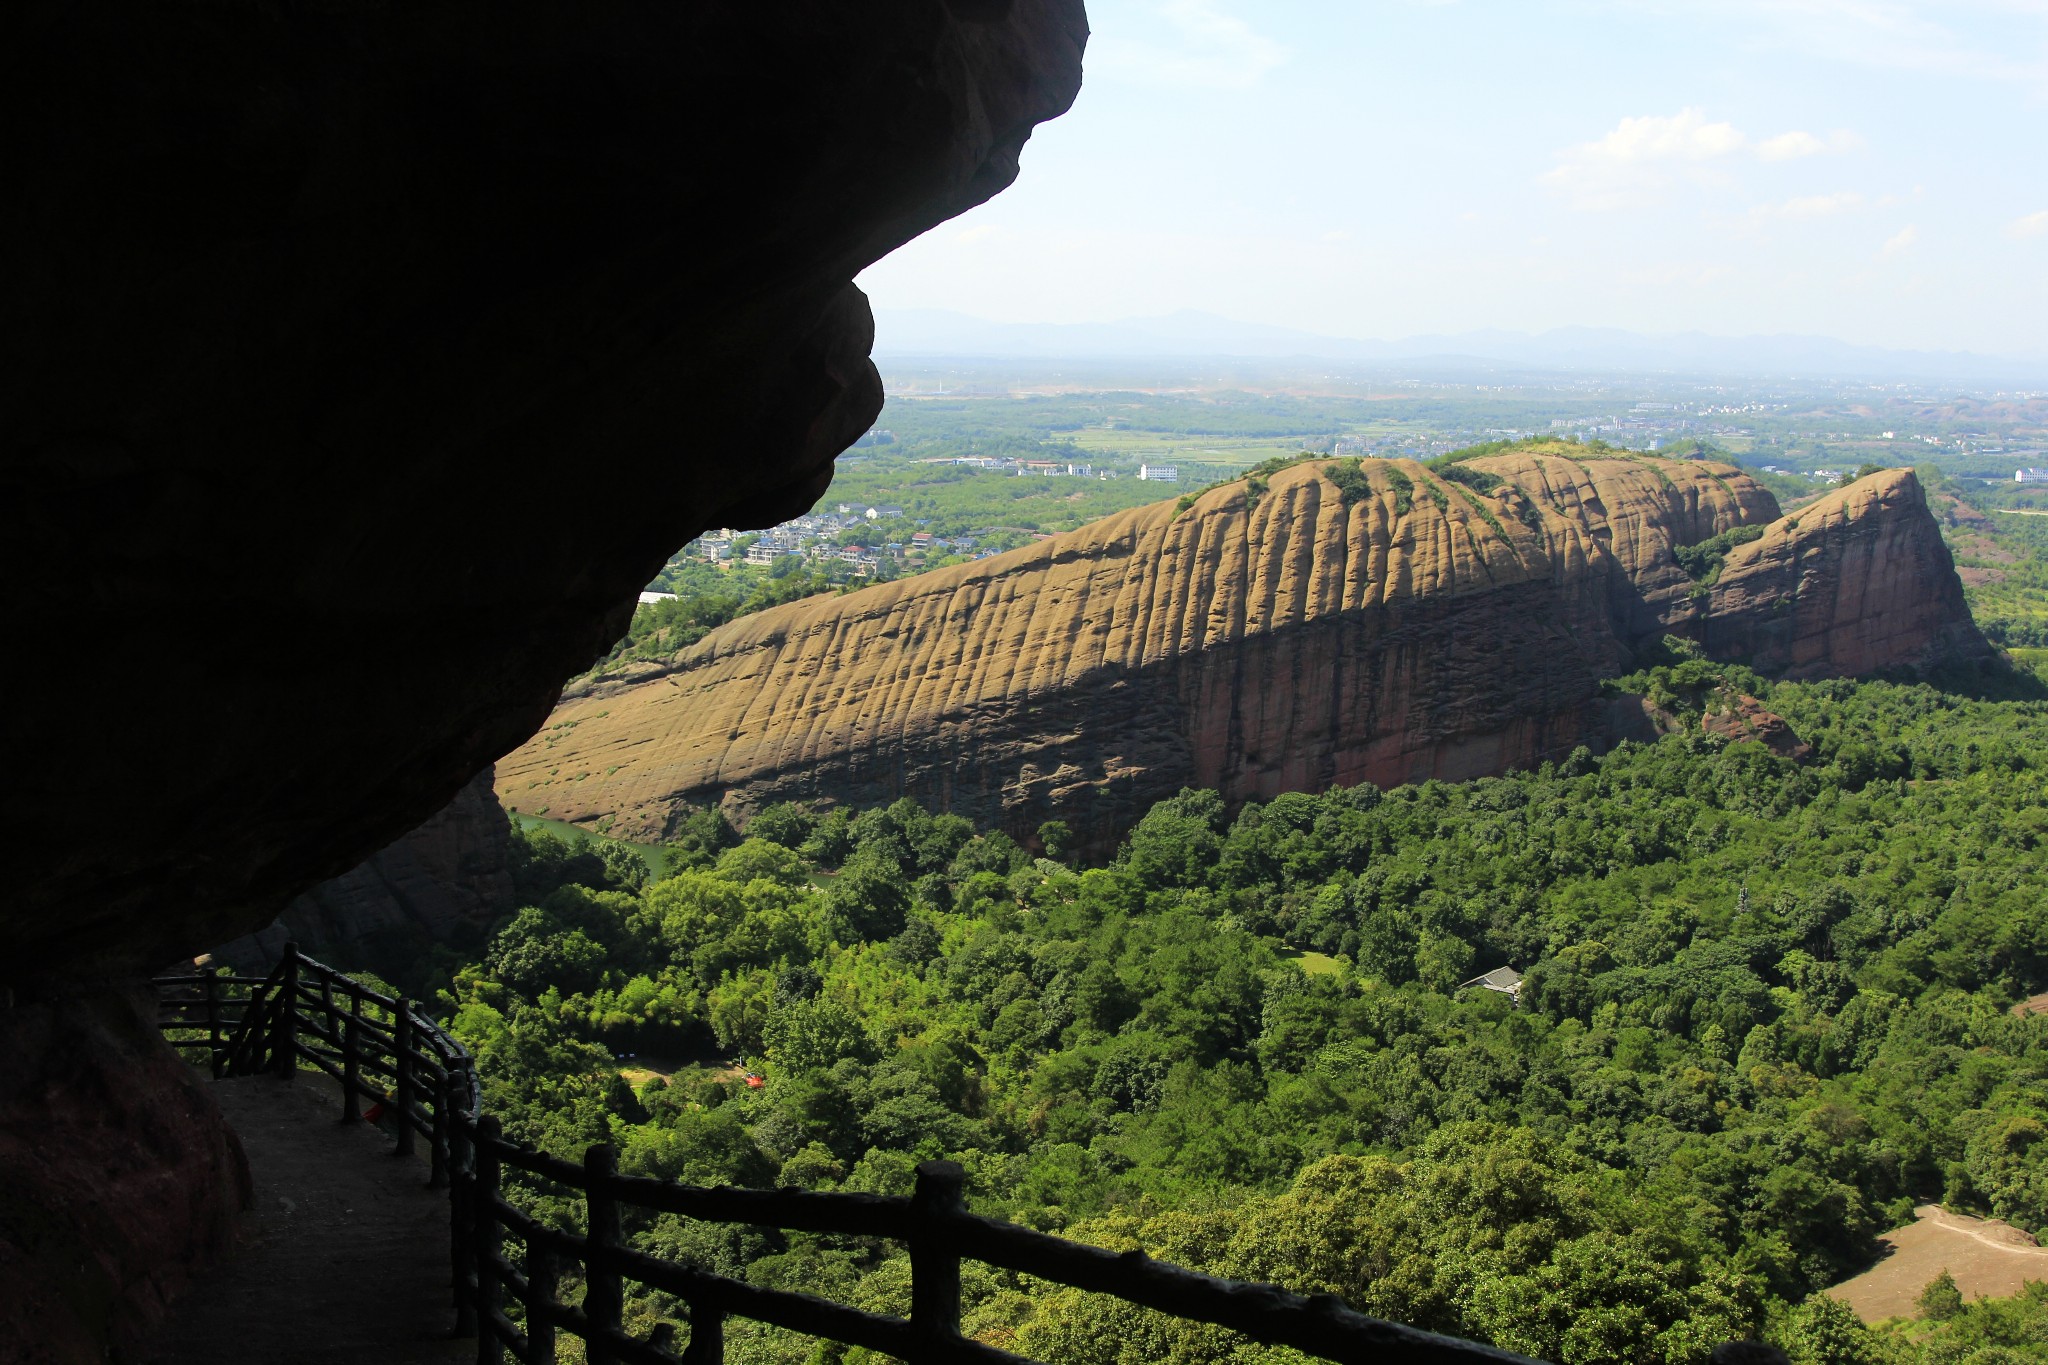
x=307 y=1012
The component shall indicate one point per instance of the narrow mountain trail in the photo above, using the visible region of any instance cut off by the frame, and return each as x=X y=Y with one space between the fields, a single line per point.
x=343 y=1257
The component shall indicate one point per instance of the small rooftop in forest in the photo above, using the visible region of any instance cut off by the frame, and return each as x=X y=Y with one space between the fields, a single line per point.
x=1506 y=980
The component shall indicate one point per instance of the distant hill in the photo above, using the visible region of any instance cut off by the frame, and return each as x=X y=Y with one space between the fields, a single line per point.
x=940 y=333
x=1333 y=622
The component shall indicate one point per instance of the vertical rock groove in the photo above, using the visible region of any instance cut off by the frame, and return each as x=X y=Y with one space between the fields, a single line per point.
x=1254 y=645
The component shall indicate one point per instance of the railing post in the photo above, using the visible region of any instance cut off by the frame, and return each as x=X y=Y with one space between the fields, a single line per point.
x=489 y=1243
x=284 y=1023
x=215 y=1058
x=934 y=1265
x=604 y=1293
x=437 y=1156
x=461 y=1221
x=707 y=1335
x=352 y=1058
x=401 y=1068
x=331 y=1021
x=540 y=1297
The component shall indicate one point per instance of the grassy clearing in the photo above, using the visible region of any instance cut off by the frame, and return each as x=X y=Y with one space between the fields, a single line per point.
x=1315 y=964
x=654 y=855
x=1222 y=454
x=2035 y=661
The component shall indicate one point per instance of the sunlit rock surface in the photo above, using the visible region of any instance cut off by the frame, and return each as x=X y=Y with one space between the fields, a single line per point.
x=1255 y=644
x=1858 y=581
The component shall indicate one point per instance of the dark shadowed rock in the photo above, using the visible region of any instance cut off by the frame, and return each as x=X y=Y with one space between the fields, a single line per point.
x=118 y=1180
x=374 y=357
x=1743 y=719
x=361 y=362
x=444 y=882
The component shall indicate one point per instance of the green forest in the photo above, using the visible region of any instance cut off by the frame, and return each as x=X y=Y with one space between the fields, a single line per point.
x=1767 y=1010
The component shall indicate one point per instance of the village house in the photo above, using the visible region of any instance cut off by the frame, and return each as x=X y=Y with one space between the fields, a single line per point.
x=1506 y=980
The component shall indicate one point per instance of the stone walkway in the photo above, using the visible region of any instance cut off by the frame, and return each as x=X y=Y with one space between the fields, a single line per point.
x=343 y=1257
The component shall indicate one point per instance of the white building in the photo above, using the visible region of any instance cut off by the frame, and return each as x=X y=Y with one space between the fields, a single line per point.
x=2030 y=476
x=1158 y=473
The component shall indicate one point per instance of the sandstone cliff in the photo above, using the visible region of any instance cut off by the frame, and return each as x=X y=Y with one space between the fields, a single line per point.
x=1857 y=582
x=1251 y=643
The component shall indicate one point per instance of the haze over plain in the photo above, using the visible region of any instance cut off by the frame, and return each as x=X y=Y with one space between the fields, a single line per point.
x=1866 y=170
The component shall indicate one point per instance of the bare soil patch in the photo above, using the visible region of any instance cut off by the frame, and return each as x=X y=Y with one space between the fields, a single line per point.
x=1989 y=1259
x=643 y=1067
x=2033 y=1004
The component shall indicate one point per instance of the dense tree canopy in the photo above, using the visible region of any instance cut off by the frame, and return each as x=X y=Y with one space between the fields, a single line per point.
x=1767 y=1010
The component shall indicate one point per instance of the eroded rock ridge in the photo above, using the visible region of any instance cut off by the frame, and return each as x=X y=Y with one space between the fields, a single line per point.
x=1254 y=642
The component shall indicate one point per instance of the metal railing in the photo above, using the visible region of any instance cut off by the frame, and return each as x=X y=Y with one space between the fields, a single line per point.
x=381 y=1048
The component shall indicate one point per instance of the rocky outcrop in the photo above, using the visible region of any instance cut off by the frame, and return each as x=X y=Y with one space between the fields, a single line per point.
x=120 y=1181
x=444 y=882
x=323 y=313
x=1740 y=718
x=1254 y=643
x=1857 y=582
x=366 y=361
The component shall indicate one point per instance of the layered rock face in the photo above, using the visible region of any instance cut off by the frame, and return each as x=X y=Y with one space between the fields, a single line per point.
x=1254 y=643
x=364 y=362
x=444 y=882
x=1859 y=581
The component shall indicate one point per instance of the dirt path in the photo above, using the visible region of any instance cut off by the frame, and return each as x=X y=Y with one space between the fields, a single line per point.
x=1989 y=1259
x=343 y=1258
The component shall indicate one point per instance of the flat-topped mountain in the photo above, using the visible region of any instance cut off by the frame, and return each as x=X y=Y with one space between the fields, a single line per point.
x=1334 y=622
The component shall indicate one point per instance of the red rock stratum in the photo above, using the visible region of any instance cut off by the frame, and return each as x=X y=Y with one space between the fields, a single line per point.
x=1382 y=625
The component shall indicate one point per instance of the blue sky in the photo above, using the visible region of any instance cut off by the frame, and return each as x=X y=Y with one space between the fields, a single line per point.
x=1865 y=169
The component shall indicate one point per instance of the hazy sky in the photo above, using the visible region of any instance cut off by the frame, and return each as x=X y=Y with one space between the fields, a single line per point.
x=1867 y=169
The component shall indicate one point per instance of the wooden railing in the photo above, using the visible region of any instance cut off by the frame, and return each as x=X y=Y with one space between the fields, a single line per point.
x=384 y=1049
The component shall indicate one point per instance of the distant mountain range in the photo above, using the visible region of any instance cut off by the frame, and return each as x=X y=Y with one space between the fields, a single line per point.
x=938 y=333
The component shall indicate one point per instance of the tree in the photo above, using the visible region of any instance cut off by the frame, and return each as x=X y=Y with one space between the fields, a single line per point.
x=1941 y=1300
x=784 y=822
x=869 y=898
x=761 y=859
x=699 y=837
x=1178 y=842
x=810 y=1035
x=1825 y=1331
